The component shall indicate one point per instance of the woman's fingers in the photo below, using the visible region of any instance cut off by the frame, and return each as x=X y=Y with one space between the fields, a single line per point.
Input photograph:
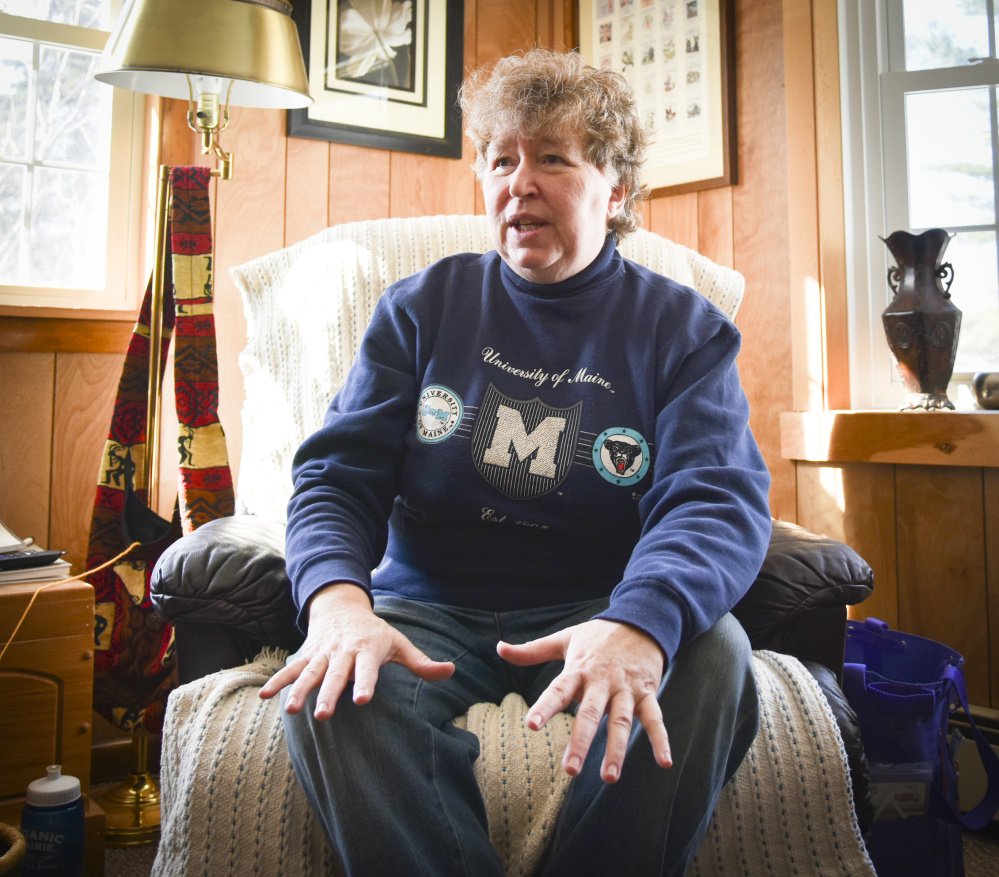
x=556 y=698
x=285 y=676
x=338 y=672
x=651 y=716
x=366 y=667
x=584 y=728
x=335 y=654
x=309 y=676
x=418 y=663
x=620 y=718
x=546 y=648
x=611 y=670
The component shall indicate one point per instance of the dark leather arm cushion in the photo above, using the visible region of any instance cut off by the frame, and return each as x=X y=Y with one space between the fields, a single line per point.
x=229 y=572
x=803 y=573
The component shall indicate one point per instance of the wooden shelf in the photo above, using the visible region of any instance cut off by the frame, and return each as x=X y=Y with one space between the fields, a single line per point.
x=936 y=438
x=36 y=334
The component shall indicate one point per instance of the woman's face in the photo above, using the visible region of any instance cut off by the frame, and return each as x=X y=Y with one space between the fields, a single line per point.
x=548 y=206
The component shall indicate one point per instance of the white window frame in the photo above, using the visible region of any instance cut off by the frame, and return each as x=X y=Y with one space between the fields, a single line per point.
x=121 y=285
x=868 y=92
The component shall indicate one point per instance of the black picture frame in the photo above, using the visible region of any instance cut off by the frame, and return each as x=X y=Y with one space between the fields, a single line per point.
x=422 y=117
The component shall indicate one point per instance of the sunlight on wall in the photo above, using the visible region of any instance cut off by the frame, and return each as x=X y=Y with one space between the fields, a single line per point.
x=815 y=339
x=808 y=343
x=831 y=480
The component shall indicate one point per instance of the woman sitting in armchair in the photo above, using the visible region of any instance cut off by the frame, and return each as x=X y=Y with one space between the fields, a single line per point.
x=544 y=452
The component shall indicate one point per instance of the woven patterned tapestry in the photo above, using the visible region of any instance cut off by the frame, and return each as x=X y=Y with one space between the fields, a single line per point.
x=134 y=669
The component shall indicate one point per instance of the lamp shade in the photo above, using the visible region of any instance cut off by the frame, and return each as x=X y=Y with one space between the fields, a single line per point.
x=157 y=44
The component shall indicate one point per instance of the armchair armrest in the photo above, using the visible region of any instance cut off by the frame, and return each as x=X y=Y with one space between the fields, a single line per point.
x=797 y=605
x=225 y=589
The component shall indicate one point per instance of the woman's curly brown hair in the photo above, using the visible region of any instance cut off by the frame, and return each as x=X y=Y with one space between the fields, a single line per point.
x=556 y=96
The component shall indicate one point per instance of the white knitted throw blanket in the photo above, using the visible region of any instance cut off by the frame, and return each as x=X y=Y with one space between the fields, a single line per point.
x=232 y=806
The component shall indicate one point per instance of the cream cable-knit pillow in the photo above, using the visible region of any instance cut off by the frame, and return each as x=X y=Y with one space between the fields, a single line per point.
x=308 y=305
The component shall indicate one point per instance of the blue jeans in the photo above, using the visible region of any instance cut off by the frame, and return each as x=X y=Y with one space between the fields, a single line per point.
x=393 y=784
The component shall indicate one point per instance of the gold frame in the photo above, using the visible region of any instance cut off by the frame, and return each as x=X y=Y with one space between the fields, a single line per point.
x=688 y=97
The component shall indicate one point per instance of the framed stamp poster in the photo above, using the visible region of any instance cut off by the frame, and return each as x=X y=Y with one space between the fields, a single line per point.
x=679 y=58
x=382 y=73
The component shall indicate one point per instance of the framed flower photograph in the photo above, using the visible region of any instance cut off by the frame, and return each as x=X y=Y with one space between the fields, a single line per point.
x=679 y=57
x=382 y=73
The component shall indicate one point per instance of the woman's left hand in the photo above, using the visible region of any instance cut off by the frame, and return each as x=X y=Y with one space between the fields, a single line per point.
x=610 y=669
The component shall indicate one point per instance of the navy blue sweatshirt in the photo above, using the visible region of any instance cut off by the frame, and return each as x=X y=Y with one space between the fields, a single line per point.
x=501 y=444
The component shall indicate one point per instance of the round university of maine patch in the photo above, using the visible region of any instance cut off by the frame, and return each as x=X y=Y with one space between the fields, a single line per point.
x=438 y=414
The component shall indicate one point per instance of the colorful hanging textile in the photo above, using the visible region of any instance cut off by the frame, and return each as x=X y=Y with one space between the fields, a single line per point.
x=205 y=482
x=135 y=664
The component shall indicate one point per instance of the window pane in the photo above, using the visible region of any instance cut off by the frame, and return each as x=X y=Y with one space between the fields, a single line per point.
x=945 y=34
x=68 y=228
x=73 y=123
x=85 y=13
x=975 y=291
x=15 y=80
x=949 y=143
x=12 y=199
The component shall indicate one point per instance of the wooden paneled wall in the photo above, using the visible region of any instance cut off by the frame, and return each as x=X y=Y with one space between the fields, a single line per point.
x=55 y=407
x=931 y=534
x=917 y=494
x=58 y=376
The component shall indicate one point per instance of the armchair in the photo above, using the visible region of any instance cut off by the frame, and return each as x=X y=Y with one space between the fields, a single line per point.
x=225 y=590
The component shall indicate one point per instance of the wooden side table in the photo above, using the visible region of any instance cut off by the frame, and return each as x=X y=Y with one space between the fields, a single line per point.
x=46 y=689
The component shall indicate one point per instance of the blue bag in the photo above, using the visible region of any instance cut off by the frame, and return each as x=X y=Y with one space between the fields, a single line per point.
x=903 y=689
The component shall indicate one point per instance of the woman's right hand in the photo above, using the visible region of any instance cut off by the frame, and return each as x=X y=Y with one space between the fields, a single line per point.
x=345 y=641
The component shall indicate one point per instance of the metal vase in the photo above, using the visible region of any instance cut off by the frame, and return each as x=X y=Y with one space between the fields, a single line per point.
x=922 y=324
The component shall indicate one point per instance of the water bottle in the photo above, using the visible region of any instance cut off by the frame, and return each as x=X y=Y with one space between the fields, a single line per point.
x=52 y=824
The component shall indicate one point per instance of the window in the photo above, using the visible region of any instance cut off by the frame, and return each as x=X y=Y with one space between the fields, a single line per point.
x=70 y=160
x=921 y=150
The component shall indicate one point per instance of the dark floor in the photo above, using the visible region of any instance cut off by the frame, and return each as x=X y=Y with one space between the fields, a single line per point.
x=981 y=856
x=981 y=852
x=129 y=861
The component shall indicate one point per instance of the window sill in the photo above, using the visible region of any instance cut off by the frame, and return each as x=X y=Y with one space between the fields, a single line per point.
x=935 y=438
x=36 y=311
x=65 y=332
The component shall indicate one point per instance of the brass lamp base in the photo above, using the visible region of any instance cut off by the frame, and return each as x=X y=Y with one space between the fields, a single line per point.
x=131 y=811
x=131 y=807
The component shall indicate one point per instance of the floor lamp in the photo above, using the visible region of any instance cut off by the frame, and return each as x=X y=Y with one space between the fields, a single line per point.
x=215 y=54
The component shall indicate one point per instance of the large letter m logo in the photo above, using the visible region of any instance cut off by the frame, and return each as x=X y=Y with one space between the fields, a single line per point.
x=524 y=448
